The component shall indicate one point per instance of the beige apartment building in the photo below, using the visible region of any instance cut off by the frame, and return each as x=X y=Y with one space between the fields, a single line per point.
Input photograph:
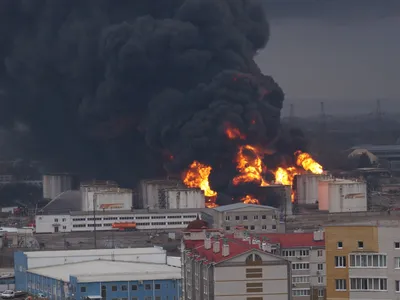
x=217 y=268
x=363 y=262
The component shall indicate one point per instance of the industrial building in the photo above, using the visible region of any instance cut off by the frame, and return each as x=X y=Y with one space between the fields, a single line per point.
x=363 y=262
x=218 y=268
x=390 y=153
x=332 y=195
x=252 y=217
x=141 y=273
x=103 y=220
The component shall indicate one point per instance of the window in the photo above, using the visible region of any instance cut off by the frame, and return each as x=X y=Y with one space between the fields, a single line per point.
x=64 y=227
x=263 y=217
x=340 y=284
x=397 y=262
x=158 y=297
x=227 y=228
x=368 y=261
x=83 y=289
x=147 y=286
x=254 y=287
x=264 y=227
x=368 y=284
x=114 y=288
x=320 y=253
x=254 y=273
x=255 y=217
x=321 y=293
x=148 y=298
x=252 y=227
x=237 y=218
x=303 y=253
x=273 y=227
x=320 y=280
x=301 y=292
x=289 y=253
x=396 y=245
x=300 y=279
x=340 y=261
x=227 y=218
x=320 y=267
x=397 y=284
x=64 y=219
x=360 y=244
x=244 y=217
x=300 y=266
x=124 y=287
x=56 y=220
x=340 y=245
x=157 y=286
x=253 y=259
x=134 y=287
x=246 y=227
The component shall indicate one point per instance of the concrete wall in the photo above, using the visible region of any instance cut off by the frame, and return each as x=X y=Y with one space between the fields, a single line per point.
x=53 y=223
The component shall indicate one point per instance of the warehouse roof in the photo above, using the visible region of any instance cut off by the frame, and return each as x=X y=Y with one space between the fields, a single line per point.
x=240 y=205
x=107 y=270
x=96 y=252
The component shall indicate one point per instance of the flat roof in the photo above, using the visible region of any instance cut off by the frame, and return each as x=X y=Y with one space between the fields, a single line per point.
x=94 y=252
x=242 y=205
x=107 y=270
x=140 y=211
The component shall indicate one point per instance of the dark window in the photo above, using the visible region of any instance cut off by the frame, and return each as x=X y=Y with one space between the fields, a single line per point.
x=124 y=287
x=227 y=228
x=158 y=298
x=237 y=218
x=252 y=227
x=360 y=244
x=114 y=288
x=147 y=287
x=246 y=227
x=244 y=217
x=273 y=226
x=340 y=245
x=157 y=286
x=264 y=217
x=397 y=245
x=134 y=287
x=83 y=289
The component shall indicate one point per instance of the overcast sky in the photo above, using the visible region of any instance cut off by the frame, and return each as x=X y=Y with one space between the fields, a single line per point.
x=334 y=49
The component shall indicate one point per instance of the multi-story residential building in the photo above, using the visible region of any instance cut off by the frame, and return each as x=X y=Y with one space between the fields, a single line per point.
x=255 y=218
x=363 y=262
x=306 y=251
x=218 y=268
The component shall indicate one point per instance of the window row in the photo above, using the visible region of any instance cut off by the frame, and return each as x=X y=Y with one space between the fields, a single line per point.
x=245 y=218
x=368 y=261
x=295 y=253
x=362 y=284
x=360 y=244
x=300 y=266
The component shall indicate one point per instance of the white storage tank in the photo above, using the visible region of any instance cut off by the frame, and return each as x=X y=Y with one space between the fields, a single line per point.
x=55 y=184
x=94 y=186
x=151 y=190
x=184 y=198
x=111 y=199
x=307 y=188
x=343 y=196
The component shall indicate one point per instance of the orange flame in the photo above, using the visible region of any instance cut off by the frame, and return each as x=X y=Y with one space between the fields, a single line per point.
x=233 y=133
x=308 y=163
x=285 y=176
x=250 y=166
x=197 y=177
x=248 y=199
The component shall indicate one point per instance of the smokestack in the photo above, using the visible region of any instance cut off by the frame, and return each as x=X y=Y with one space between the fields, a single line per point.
x=207 y=242
x=225 y=248
x=216 y=246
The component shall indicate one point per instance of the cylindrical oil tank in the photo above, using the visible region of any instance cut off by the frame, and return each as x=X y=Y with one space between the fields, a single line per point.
x=278 y=196
x=347 y=196
x=55 y=184
x=87 y=189
x=323 y=195
x=307 y=188
x=150 y=192
x=110 y=199
x=184 y=198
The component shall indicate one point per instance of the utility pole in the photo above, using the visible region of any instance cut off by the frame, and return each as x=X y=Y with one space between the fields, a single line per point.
x=94 y=219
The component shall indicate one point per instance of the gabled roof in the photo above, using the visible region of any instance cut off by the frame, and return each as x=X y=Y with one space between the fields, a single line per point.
x=241 y=205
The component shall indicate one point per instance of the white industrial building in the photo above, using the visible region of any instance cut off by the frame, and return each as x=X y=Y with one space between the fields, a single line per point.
x=107 y=199
x=307 y=188
x=144 y=219
x=339 y=195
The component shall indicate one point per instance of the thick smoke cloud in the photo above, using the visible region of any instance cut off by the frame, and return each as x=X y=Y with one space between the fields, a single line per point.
x=113 y=88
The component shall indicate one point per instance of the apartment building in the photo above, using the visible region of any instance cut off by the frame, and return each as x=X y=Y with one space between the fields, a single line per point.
x=363 y=262
x=254 y=218
x=217 y=268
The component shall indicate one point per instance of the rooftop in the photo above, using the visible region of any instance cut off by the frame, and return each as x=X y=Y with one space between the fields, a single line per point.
x=94 y=252
x=378 y=148
x=293 y=240
x=240 y=205
x=107 y=270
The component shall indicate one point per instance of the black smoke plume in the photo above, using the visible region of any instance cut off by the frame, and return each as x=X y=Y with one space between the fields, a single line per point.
x=119 y=89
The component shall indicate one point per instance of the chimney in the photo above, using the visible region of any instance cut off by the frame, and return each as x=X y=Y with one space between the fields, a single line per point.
x=318 y=235
x=225 y=249
x=207 y=242
x=216 y=246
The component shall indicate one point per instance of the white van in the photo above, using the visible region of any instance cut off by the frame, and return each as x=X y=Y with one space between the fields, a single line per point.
x=93 y=298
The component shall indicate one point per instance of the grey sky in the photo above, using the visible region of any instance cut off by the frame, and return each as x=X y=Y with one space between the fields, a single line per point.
x=347 y=50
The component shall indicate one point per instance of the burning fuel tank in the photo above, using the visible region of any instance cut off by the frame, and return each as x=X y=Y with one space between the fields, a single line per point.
x=278 y=196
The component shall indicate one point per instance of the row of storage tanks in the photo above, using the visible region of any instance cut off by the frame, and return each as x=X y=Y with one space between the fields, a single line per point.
x=331 y=194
